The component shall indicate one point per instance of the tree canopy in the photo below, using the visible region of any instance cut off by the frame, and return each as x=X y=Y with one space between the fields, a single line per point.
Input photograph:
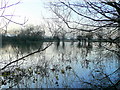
x=89 y=15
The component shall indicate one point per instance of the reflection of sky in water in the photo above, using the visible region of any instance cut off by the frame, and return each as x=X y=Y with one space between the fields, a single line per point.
x=83 y=65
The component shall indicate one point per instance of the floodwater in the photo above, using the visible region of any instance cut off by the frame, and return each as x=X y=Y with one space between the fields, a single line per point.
x=62 y=65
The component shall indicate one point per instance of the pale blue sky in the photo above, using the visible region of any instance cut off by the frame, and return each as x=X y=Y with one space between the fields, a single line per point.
x=33 y=10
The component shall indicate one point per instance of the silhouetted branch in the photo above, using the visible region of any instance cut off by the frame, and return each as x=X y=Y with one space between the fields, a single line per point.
x=98 y=14
x=39 y=50
x=10 y=5
x=8 y=18
x=16 y=22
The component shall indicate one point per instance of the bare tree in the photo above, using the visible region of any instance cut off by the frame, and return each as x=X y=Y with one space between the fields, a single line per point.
x=5 y=17
x=89 y=16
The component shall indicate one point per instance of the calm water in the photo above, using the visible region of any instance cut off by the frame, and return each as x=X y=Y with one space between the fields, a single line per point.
x=62 y=65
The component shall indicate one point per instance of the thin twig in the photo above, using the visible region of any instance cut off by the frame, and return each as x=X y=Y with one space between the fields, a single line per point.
x=25 y=56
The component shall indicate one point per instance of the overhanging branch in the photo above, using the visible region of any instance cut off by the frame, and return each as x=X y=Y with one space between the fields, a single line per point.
x=25 y=56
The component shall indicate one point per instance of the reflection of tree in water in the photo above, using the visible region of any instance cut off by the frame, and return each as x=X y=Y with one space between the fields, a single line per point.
x=65 y=69
x=59 y=44
x=56 y=76
x=24 y=46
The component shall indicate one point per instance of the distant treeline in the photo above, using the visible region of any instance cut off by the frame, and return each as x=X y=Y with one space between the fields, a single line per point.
x=20 y=39
x=31 y=38
x=36 y=33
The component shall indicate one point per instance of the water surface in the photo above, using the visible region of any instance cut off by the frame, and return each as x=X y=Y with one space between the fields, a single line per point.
x=62 y=65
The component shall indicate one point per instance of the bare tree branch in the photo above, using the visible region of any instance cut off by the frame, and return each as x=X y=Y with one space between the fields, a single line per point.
x=101 y=14
x=10 y=5
x=39 y=50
